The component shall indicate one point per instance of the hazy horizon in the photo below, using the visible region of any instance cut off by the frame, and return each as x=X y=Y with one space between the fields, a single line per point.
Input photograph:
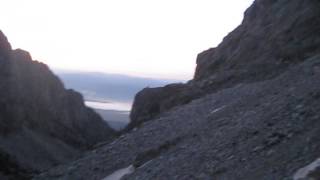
x=59 y=71
x=108 y=91
x=157 y=39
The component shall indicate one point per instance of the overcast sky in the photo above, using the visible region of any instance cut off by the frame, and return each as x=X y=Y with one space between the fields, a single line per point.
x=154 y=38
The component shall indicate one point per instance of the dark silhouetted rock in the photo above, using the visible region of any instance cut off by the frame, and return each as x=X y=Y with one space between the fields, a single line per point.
x=41 y=123
x=150 y=102
x=5 y=46
x=267 y=42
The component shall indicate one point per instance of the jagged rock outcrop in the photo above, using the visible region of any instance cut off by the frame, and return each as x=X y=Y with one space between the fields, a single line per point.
x=150 y=102
x=41 y=123
x=272 y=37
x=257 y=116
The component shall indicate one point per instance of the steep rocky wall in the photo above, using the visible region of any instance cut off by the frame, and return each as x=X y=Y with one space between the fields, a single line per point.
x=274 y=35
x=41 y=123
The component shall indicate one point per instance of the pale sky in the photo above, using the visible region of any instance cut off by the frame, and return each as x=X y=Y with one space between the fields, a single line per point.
x=150 y=38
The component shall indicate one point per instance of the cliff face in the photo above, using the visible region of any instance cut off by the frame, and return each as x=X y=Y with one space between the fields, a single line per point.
x=41 y=123
x=274 y=35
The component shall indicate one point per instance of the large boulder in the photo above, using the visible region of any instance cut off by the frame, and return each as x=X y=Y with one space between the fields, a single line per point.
x=150 y=102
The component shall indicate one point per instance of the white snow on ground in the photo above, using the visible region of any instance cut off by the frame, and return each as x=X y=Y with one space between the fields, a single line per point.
x=117 y=175
x=217 y=109
x=304 y=172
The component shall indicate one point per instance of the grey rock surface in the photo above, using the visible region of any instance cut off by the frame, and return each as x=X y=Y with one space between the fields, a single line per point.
x=257 y=115
x=151 y=102
x=262 y=130
x=274 y=35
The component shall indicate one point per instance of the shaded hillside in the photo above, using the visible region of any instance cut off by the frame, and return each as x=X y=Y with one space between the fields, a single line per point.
x=41 y=123
x=251 y=112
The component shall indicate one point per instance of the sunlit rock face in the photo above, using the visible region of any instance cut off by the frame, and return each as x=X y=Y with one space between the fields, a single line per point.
x=41 y=123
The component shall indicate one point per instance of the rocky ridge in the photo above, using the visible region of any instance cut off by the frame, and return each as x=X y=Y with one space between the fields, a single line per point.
x=41 y=123
x=266 y=43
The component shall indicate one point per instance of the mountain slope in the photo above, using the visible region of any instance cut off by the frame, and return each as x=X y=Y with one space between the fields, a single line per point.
x=263 y=130
x=266 y=43
x=41 y=123
x=251 y=112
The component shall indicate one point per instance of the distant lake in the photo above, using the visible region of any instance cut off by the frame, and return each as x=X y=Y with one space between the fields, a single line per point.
x=118 y=106
x=115 y=113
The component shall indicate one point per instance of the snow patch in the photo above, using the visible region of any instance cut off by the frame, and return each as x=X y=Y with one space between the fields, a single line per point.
x=304 y=172
x=117 y=175
x=217 y=109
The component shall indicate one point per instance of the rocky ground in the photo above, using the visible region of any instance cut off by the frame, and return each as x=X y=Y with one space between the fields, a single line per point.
x=251 y=112
x=264 y=130
x=274 y=35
